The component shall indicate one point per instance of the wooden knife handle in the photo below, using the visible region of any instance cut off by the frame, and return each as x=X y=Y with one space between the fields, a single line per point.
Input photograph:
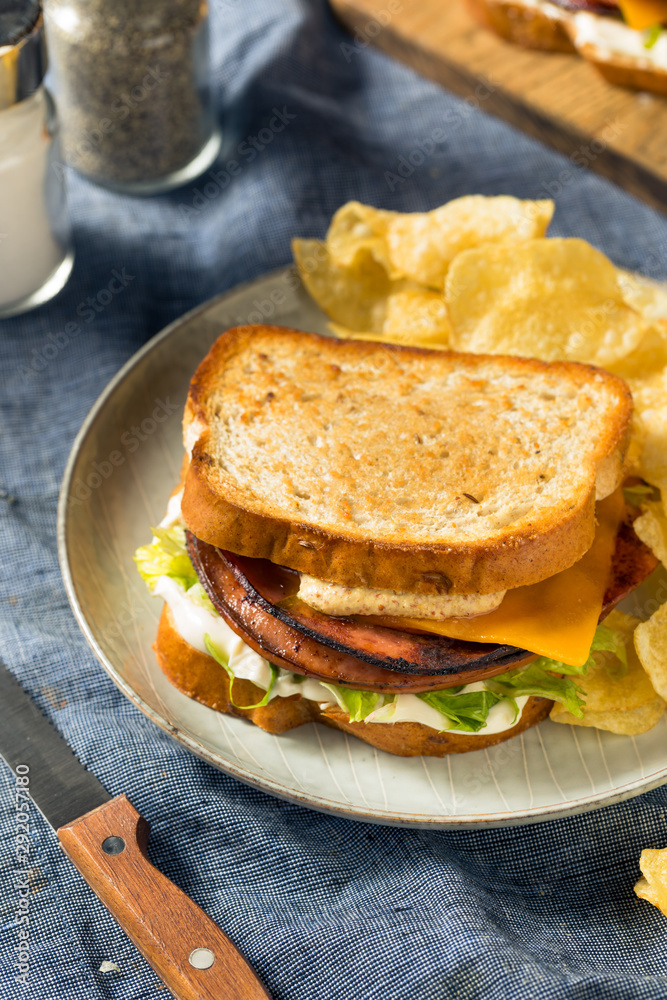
x=108 y=846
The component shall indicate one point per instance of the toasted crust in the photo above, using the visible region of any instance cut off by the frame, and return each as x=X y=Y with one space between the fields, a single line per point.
x=533 y=28
x=198 y=676
x=235 y=515
x=524 y=25
x=625 y=71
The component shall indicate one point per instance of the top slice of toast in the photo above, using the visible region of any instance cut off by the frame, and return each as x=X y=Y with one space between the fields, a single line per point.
x=399 y=468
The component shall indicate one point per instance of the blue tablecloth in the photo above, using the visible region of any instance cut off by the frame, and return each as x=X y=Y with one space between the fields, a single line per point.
x=322 y=907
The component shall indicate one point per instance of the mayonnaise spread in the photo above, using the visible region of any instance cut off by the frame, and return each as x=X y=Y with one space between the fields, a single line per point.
x=613 y=37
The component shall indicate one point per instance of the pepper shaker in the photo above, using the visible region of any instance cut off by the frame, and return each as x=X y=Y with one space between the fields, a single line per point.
x=131 y=82
x=36 y=254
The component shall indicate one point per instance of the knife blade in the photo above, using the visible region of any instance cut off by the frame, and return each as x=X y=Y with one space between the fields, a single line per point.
x=106 y=839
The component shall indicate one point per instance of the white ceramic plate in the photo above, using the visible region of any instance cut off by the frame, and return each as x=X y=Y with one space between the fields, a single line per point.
x=123 y=465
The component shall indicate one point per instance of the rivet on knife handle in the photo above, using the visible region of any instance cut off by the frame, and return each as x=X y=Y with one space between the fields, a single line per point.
x=189 y=952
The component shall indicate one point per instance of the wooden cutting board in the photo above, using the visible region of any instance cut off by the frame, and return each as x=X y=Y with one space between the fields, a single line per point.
x=558 y=99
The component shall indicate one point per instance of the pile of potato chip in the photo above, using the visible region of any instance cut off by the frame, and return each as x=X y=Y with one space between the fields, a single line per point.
x=478 y=274
x=653 y=885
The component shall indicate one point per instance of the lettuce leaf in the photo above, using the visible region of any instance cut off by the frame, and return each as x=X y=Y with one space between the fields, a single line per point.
x=198 y=596
x=652 y=36
x=465 y=712
x=166 y=556
x=604 y=640
x=358 y=704
x=635 y=495
x=534 y=680
x=223 y=660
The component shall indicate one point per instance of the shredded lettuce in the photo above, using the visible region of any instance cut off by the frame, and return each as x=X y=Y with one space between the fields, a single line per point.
x=166 y=556
x=538 y=678
x=652 y=36
x=223 y=660
x=358 y=704
x=635 y=495
x=198 y=596
x=465 y=712
x=604 y=640
x=534 y=680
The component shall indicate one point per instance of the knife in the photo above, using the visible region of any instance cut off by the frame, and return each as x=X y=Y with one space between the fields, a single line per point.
x=106 y=839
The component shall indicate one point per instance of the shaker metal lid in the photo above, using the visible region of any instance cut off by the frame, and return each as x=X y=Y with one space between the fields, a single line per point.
x=22 y=53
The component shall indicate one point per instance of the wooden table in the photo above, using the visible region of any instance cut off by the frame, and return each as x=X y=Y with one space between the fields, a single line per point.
x=558 y=99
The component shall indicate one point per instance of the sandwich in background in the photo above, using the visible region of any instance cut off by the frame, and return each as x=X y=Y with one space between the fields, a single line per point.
x=625 y=40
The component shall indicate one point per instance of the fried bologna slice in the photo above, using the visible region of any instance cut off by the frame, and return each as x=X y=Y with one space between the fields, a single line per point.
x=198 y=676
x=401 y=468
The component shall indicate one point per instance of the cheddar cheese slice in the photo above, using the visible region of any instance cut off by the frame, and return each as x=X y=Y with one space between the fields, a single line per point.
x=640 y=14
x=555 y=618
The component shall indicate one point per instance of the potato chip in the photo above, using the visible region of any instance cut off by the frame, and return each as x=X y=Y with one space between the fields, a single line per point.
x=422 y=245
x=551 y=299
x=357 y=227
x=650 y=424
x=415 y=318
x=651 y=528
x=353 y=296
x=620 y=703
x=651 y=646
x=646 y=296
x=630 y=722
x=653 y=886
x=649 y=356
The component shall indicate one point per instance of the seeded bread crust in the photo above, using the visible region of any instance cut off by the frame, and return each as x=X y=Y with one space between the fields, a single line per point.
x=398 y=516
x=198 y=676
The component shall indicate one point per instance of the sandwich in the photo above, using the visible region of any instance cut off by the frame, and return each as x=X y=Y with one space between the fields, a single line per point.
x=625 y=41
x=416 y=547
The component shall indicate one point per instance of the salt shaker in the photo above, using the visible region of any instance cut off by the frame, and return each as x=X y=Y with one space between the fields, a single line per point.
x=35 y=237
x=131 y=80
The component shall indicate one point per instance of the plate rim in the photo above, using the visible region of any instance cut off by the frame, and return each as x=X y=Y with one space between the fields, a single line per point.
x=378 y=816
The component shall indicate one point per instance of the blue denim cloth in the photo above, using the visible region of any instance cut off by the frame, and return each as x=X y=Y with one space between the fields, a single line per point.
x=322 y=907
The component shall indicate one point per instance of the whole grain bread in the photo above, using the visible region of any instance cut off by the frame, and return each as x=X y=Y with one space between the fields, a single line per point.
x=399 y=468
x=198 y=676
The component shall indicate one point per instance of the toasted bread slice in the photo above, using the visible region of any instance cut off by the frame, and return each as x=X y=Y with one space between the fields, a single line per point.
x=198 y=676
x=399 y=468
